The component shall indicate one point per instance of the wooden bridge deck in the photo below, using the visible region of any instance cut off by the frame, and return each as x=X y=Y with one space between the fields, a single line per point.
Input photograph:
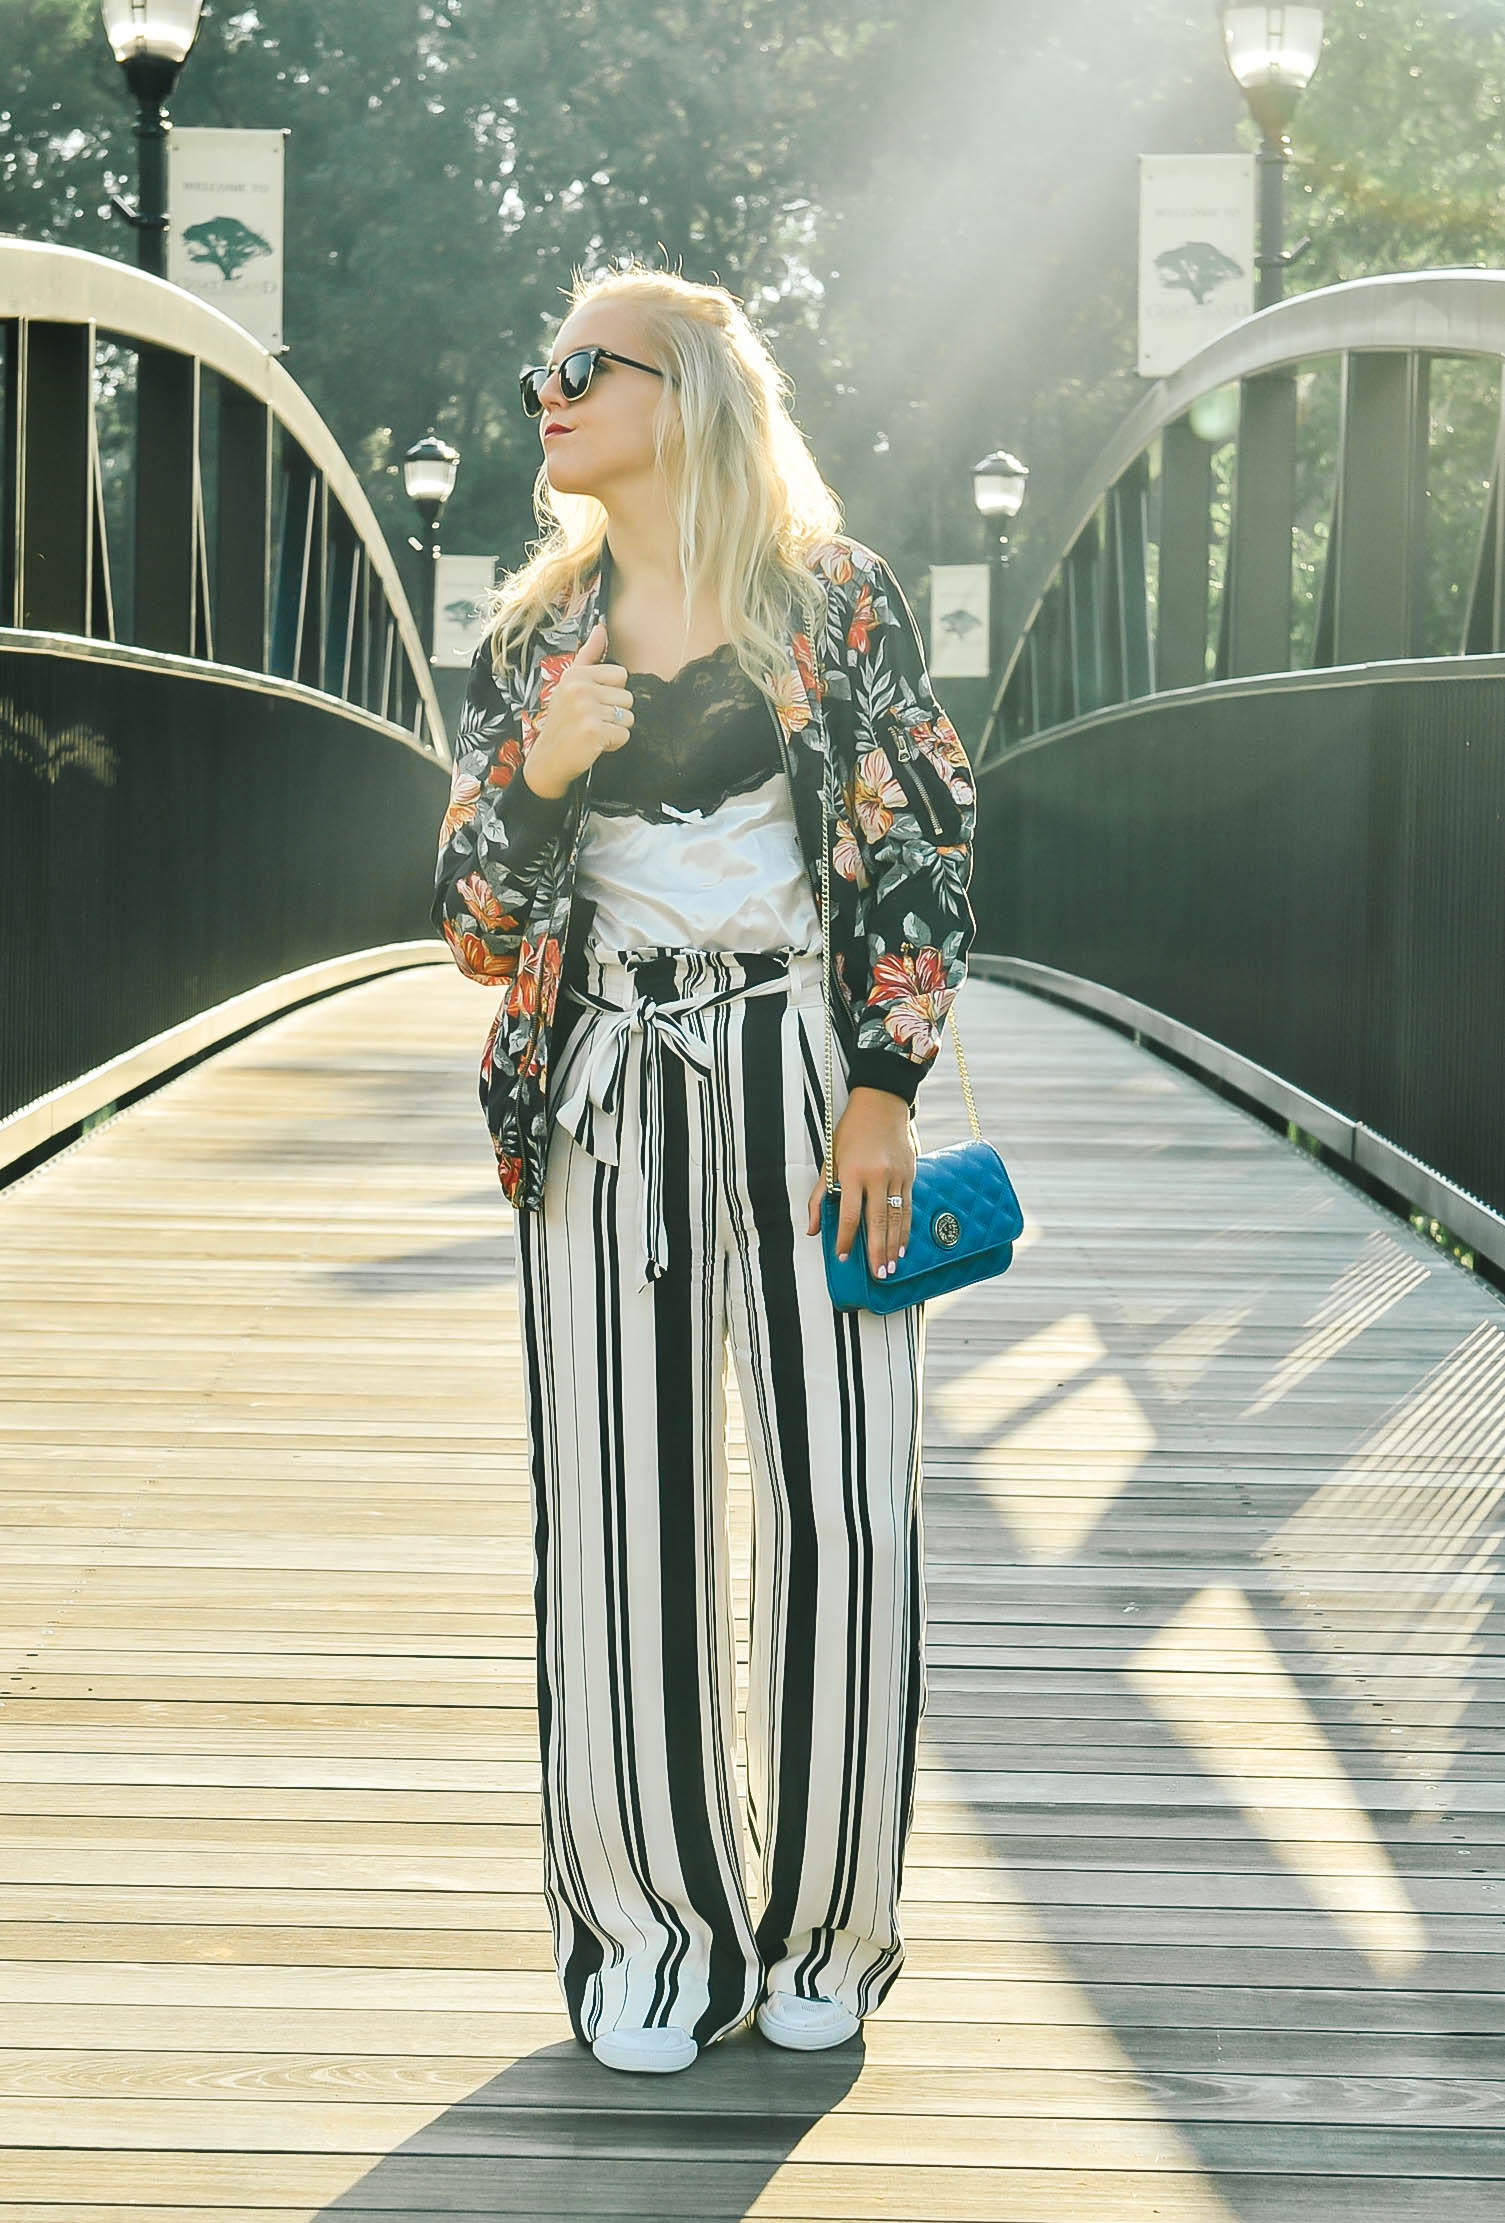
x=1205 y=1895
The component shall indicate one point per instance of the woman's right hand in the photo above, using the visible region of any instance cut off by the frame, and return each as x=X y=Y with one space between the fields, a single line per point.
x=581 y=719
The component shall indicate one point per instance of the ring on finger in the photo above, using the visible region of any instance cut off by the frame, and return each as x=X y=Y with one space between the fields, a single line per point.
x=896 y=1203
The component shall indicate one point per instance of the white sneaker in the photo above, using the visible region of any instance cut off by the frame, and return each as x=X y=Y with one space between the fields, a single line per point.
x=659 y=2052
x=807 y=2025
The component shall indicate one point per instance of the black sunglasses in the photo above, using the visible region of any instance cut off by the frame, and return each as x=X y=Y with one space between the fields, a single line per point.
x=576 y=370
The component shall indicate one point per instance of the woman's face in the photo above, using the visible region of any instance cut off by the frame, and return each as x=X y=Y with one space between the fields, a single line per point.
x=602 y=442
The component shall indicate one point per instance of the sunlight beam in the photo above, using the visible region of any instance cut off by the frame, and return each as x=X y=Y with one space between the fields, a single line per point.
x=1370 y=1905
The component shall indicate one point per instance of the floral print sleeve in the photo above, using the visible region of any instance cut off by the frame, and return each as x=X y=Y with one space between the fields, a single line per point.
x=912 y=810
x=497 y=833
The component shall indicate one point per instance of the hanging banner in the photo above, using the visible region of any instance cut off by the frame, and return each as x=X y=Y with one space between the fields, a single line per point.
x=224 y=237
x=960 y=629
x=461 y=586
x=1196 y=253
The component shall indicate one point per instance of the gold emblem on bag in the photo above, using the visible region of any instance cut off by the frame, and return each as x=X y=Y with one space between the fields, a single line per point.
x=946 y=1228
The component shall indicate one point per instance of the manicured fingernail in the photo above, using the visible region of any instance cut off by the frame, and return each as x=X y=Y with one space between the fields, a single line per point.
x=903 y=1247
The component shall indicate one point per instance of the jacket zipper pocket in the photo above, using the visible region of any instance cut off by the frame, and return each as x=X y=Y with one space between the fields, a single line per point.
x=909 y=754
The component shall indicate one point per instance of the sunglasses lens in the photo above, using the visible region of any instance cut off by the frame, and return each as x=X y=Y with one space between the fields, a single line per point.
x=575 y=373
x=574 y=377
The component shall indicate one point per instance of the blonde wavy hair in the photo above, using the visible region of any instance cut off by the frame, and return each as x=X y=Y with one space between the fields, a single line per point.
x=743 y=486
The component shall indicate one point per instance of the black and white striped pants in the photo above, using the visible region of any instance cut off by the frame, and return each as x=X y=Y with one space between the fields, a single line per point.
x=673 y=1227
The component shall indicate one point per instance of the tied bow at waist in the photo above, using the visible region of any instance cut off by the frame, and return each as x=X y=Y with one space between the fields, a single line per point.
x=594 y=1094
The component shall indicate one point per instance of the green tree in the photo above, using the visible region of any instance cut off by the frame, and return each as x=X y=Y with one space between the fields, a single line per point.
x=933 y=217
x=915 y=211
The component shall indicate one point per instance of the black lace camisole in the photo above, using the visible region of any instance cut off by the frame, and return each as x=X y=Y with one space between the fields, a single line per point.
x=689 y=839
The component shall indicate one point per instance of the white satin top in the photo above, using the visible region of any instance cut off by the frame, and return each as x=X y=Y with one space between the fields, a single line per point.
x=689 y=839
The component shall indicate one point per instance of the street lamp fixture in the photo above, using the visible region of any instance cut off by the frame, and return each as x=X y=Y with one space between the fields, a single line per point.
x=999 y=485
x=428 y=473
x=150 y=39
x=1273 y=54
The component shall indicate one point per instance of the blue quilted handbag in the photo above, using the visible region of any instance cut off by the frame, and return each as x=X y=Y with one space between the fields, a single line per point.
x=964 y=1215
x=964 y=1222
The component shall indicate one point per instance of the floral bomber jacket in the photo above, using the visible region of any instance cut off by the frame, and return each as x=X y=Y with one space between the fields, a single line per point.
x=858 y=705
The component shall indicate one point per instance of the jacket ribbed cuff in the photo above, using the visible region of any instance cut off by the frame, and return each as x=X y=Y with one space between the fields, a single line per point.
x=532 y=820
x=886 y=1069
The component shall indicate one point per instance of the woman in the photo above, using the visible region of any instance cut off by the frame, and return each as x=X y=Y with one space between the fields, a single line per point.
x=632 y=852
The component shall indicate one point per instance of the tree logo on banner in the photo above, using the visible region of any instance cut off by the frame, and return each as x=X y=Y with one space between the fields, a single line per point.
x=1196 y=267
x=226 y=242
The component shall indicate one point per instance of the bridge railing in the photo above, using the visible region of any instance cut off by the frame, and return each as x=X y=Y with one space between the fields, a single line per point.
x=222 y=758
x=1244 y=778
x=168 y=485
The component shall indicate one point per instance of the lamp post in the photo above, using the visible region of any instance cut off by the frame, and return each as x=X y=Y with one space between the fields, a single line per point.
x=1273 y=54
x=150 y=39
x=999 y=484
x=428 y=473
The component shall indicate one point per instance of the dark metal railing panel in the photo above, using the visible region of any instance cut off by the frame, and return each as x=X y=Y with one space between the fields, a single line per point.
x=244 y=523
x=1378 y=546
x=169 y=839
x=1110 y=603
x=10 y=440
x=1308 y=873
x=1481 y=624
x=53 y=383
x=1130 y=512
x=1434 y=1041
x=341 y=588
x=296 y=518
x=1054 y=646
x=1259 y=557
x=1185 y=537
x=166 y=490
x=1089 y=593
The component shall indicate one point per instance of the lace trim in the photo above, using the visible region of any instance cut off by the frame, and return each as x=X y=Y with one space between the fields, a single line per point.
x=698 y=737
x=657 y=679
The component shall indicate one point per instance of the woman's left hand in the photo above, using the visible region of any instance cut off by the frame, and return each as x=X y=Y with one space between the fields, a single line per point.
x=873 y=1152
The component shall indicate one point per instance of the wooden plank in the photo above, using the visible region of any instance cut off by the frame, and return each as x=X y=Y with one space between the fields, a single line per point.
x=490 y=1863
x=957 y=1939
x=416 y=2050
x=1181 y=1998
x=1032 y=1903
x=881 y=2192
x=275 y=1868
x=831 y=2136
x=736 y=2081
x=251 y=1624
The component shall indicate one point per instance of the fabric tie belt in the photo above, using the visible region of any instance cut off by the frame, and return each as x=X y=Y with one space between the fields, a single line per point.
x=594 y=1094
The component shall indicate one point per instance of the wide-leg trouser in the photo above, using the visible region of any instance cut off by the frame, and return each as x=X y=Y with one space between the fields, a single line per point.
x=626 y=1395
